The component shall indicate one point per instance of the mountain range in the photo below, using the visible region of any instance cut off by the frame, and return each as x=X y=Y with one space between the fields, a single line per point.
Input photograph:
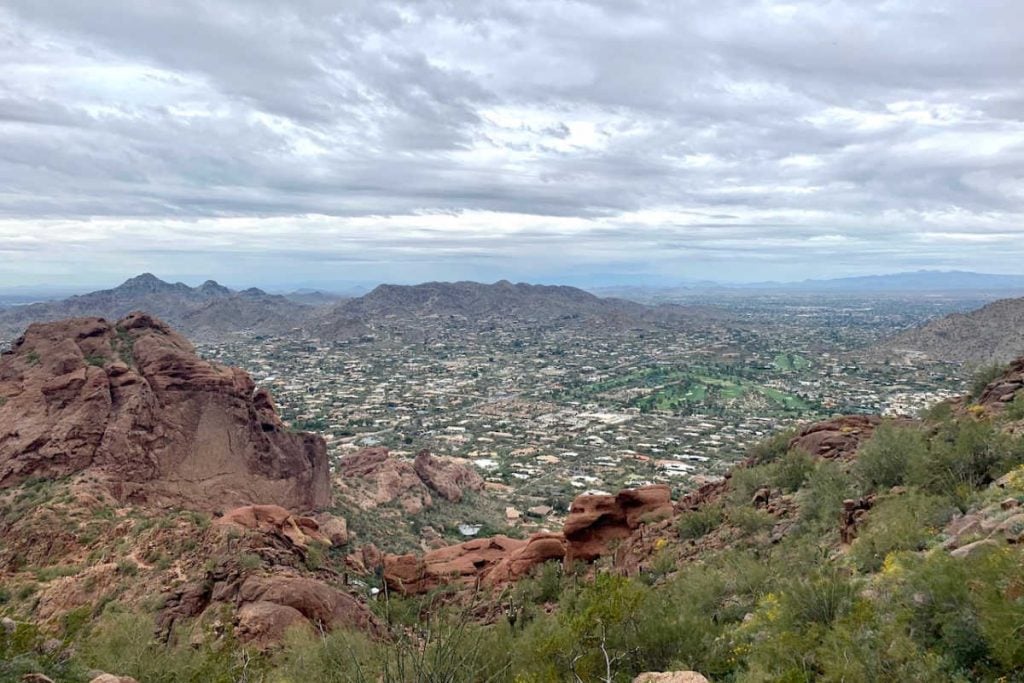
x=212 y=311
x=209 y=310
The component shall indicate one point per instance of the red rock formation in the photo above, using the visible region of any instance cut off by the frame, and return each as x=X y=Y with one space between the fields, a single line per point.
x=838 y=438
x=372 y=477
x=448 y=479
x=595 y=521
x=134 y=403
x=483 y=561
x=1002 y=390
x=274 y=520
x=265 y=605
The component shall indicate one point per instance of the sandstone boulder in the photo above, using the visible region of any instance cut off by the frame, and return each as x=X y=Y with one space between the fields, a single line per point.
x=265 y=605
x=111 y=678
x=838 y=438
x=671 y=677
x=133 y=403
x=595 y=521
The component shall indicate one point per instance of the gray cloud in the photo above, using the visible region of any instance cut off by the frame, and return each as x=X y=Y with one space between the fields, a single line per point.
x=780 y=139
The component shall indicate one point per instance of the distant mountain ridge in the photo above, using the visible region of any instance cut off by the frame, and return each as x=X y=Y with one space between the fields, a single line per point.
x=408 y=308
x=212 y=311
x=993 y=333
x=917 y=281
x=209 y=310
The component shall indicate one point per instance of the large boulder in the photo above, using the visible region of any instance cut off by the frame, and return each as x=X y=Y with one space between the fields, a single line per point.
x=132 y=403
x=595 y=521
x=265 y=605
x=671 y=677
x=836 y=439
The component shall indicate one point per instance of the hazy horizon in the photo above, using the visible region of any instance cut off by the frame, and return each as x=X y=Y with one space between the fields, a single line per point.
x=585 y=143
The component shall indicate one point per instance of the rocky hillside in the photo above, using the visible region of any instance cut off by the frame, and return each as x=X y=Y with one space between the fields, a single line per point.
x=994 y=333
x=132 y=403
x=207 y=311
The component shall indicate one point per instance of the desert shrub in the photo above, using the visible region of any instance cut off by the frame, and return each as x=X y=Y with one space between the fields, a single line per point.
x=902 y=522
x=964 y=456
x=314 y=558
x=997 y=581
x=22 y=652
x=1014 y=411
x=819 y=597
x=338 y=657
x=699 y=523
x=771 y=449
x=821 y=498
x=250 y=561
x=792 y=470
x=867 y=644
x=749 y=520
x=747 y=480
x=124 y=643
x=885 y=460
x=542 y=586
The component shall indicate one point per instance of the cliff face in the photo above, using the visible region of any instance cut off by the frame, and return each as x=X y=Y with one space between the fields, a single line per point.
x=133 y=403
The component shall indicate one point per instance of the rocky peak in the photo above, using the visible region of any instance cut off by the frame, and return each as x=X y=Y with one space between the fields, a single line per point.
x=143 y=284
x=211 y=288
x=133 y=404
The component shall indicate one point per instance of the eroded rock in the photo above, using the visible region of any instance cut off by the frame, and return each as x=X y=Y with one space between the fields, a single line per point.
x=132 y=402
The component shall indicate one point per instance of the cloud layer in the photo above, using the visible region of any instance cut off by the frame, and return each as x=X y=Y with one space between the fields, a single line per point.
x=372 y=140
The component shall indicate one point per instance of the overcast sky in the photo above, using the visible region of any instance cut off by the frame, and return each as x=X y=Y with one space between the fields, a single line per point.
x=318 y=141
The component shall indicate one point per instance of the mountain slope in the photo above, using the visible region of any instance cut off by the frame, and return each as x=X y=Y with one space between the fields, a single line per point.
x=993 y=333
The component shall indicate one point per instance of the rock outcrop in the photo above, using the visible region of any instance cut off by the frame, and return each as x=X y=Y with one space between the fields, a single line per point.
x=132 y=402
x=1003 y=390
x=447 y=479
x=373 y=477
x=265 y=605
x=481 y=562
x=596 y=521
x=836 y=439
x=298 y=532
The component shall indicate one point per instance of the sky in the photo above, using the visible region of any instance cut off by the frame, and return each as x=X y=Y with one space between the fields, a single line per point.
x=311 y=142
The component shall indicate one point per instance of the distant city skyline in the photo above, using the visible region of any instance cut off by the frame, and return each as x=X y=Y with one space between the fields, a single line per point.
x=591 y=143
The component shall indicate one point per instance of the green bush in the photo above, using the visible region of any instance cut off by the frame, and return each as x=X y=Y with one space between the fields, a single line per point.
x=901 y=522
x=821 y=499
x=124 y=643
x=699 y=523
x=771 y=449
x=792 y=471
x=964 y=456
x=885 y=460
